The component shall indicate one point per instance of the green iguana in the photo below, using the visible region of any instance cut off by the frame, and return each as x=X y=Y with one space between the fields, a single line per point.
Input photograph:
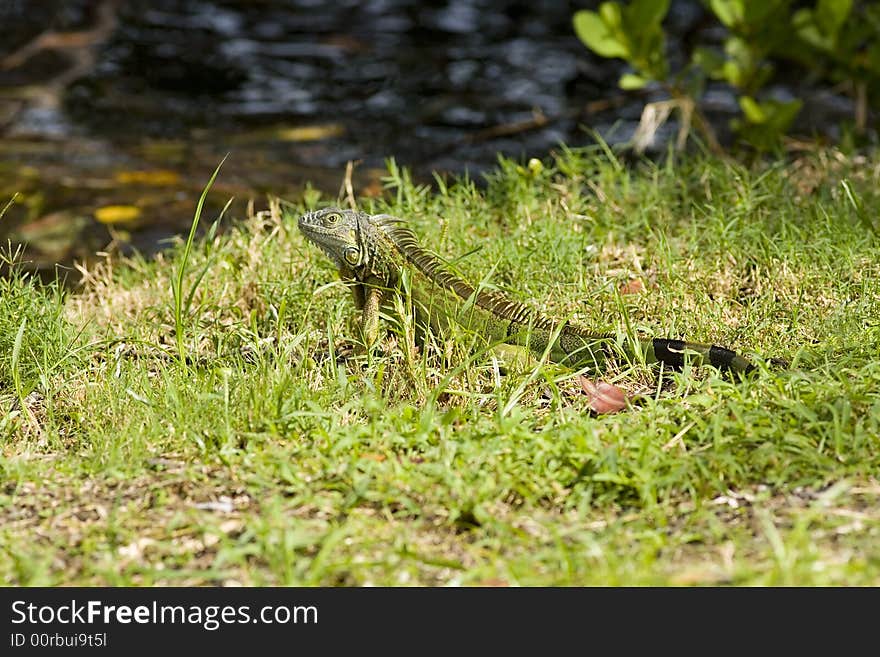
x=375 y=252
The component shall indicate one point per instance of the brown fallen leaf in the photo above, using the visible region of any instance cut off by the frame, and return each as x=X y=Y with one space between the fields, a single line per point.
x=632 y=286
x=604 y=397
x=373 y=456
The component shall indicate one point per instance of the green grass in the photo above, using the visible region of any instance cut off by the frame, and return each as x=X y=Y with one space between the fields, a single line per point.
x=274 y=454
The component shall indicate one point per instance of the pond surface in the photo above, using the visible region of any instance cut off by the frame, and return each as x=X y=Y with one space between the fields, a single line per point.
x=114 y=117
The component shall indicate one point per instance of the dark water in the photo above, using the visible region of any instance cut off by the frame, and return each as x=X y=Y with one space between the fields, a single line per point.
x=108 y=103
x=411 y=79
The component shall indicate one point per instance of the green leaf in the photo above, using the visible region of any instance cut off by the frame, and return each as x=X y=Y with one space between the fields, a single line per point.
x=832 y=14
x=597 y=35
x=632 y=81
x=804 y=23
x=729 y=12
x=753 y=111
x=777 y=115
x=611 y=15
x=643 y=13
x=733 y=73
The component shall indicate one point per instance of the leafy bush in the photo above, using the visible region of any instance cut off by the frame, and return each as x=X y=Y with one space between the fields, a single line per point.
x=836 y=40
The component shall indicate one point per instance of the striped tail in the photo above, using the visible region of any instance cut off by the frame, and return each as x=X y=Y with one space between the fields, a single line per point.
x=674 y=353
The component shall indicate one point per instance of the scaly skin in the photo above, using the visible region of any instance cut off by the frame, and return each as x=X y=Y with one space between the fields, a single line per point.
x=376 y=252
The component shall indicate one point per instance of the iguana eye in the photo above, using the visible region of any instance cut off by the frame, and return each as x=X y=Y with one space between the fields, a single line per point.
x=352 y=255
x=332 y=217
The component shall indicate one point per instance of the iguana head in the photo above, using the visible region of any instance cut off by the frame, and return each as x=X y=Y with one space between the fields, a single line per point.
x=338 y=233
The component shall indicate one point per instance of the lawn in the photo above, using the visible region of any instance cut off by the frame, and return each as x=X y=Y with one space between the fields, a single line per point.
x=264 y=448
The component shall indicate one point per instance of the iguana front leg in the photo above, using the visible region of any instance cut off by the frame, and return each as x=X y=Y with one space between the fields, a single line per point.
x=371 y=292
x=367 y=296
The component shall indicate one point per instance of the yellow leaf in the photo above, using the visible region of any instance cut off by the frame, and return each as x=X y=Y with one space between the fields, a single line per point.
x=117 y=214
x=310 y=132
x=157 y=177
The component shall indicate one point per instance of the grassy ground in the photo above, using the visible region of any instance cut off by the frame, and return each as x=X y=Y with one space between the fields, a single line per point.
x=272 y=454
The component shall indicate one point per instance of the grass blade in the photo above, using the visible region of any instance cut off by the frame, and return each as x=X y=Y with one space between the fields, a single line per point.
x=181 y=309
